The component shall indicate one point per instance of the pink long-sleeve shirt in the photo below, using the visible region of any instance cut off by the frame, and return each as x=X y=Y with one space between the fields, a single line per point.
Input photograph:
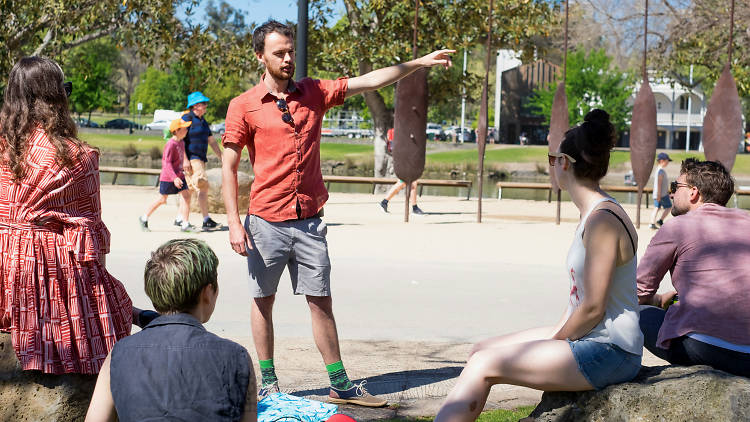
x=707 y=252
x=171 y=160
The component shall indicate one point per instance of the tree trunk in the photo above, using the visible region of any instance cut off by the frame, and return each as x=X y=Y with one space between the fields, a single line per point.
x=382 y=120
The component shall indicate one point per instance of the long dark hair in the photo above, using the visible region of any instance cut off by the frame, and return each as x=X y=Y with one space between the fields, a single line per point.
x=35 y=96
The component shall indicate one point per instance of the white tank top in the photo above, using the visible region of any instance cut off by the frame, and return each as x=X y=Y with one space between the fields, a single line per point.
x=620 y=323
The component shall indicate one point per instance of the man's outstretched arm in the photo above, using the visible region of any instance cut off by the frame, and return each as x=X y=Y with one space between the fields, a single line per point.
x=388 y=75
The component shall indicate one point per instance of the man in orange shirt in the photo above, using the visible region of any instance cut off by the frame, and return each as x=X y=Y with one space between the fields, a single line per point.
x=279 y=121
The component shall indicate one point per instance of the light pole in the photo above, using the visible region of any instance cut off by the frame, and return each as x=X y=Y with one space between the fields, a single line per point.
x=499 y=67
x=463 y=104
x=301 y=62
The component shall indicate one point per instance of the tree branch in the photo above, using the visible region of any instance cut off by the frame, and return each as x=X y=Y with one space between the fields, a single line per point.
x=90 y=37
x=45 y=42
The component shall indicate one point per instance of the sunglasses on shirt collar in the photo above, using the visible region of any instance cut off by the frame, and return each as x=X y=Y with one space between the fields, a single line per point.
x=286 y=116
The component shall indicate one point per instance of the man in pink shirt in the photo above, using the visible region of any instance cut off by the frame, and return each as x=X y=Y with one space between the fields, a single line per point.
x=706 y=249
x=279 y=122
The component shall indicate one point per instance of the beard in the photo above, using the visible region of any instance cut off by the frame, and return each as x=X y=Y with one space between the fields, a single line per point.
x=677 y=211
x=281 y=73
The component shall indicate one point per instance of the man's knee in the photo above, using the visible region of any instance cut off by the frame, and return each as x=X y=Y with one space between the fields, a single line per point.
x=202 y=185
x=320 y=303
x=264 y=304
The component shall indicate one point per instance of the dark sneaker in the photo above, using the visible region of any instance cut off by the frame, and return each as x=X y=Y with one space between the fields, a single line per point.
x=144 y=224
x=189 y=229
x=652 y=226
x=210 y=224
x=355 y=395
x=268 y=390
x=177 y=222
x=660 y=223
x=384 y=205
x=416 y=210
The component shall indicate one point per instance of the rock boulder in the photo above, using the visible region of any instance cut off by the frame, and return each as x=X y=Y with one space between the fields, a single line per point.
x=34 y=396
x=215 y=199
x=662 y=393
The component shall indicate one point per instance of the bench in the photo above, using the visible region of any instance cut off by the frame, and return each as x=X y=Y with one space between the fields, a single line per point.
x=130 y=170
x=374 y=181
x=328 y=179
x=547 y=186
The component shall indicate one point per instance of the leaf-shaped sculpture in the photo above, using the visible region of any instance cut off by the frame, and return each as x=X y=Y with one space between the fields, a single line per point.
x=410 y=127
x=558 y=125
x=722 y=126
x=643 y=139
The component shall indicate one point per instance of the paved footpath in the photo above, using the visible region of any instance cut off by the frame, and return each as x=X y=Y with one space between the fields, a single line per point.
x=409 y=299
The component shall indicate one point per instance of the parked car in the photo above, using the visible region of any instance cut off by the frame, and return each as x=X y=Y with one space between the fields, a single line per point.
x=467 y=137
x=81 y=122
x=160 y=125
x=435 y=132
x=218 y=128
x=121 y=124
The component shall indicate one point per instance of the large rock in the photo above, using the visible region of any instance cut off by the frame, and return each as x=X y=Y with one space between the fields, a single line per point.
x=34 y=396
x=216 y=200
x=663 y=393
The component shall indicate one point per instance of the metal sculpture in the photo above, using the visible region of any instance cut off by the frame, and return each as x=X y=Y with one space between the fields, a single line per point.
x=410 y=127
x=722 y=126
x=643 y=129
x=482 y=123
x=558 y=122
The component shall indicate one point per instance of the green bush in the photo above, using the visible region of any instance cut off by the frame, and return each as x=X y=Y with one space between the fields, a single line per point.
x=155 y=153
x=130 y=151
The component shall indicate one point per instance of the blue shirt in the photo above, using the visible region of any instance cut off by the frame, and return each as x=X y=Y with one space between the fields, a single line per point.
x=176 y=370
x=196 y=141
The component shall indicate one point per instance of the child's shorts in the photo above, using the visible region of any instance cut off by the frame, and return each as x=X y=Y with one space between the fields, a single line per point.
x=168 y=188
x=604 y=364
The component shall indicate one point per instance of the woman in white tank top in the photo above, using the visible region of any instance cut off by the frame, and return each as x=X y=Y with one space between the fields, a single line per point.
x=597 y=342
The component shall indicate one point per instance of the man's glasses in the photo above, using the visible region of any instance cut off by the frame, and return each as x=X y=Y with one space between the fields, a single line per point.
x=675 y=185
x=286 y=116
x=553 y=156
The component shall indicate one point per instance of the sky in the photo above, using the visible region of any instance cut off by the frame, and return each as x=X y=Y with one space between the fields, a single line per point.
x=261 y=10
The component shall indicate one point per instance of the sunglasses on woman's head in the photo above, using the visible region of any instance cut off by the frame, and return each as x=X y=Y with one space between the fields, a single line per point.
x=286 y=116
x=553 y=156
x=676 y=185
x=68 y=87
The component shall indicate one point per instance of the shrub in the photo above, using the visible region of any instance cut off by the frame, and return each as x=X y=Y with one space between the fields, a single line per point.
x=155 y=153
x=130 y=151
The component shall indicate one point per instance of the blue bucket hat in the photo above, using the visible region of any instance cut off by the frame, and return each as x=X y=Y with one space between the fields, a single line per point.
x=195 y=98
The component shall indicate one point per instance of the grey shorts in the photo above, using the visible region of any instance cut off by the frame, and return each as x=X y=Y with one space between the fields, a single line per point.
x=299 y=245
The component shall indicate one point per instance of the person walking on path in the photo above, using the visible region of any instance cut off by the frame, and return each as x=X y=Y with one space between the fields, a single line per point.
x=661 y=191
x=279 y=121
x=197 y=141
x=396 y=188
x=63 y=309
x=706 y=250
x=597 y=342
x=172 y=178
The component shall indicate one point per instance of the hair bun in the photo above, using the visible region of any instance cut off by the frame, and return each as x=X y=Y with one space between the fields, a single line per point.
x=597 y=115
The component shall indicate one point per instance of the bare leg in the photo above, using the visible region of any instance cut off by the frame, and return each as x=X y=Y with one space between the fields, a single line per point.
x=413 y=193
x=654 y=214
x=525 y=336
x=396 y=188
x=184 y=205
x=156 y=204
x=546 y=365
x=261 y=320
x=324 y=328
x=203 y=202
x=665 y=213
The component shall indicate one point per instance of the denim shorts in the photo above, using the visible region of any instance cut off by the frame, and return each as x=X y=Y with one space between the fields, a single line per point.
x=168 y=188
x=604 y=364
x=299 y=245
x=664 y=202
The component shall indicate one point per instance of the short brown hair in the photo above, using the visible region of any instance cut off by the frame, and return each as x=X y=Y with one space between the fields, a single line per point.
x=177 y=272
x=712 y=179
x=259 y=35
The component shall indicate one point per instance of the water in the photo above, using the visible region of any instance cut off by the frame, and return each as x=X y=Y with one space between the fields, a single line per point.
x=489 y=189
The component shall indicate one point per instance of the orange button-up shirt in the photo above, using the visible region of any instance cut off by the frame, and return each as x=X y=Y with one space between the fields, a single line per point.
x=285 y=156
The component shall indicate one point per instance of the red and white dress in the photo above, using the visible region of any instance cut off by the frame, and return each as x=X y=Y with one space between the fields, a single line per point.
x=64 y=310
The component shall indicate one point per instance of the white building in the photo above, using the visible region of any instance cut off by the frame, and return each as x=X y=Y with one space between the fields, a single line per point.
x=673 y=118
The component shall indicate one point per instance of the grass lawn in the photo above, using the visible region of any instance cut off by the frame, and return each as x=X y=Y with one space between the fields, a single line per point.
x=116 y=142
x=341 y=152
x=490 y=416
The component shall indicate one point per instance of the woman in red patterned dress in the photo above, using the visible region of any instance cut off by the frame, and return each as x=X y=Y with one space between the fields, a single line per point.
x=63 y=309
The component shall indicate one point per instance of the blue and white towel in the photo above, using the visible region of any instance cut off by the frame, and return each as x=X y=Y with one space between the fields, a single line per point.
x=285 y=407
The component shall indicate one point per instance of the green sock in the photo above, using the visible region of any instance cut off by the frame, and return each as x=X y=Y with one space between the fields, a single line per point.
x=267 y=372
x=337 y=374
